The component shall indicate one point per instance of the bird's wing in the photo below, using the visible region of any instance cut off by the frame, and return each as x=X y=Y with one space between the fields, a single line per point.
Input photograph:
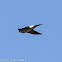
x=33 y=32
x=37 y=25
x=33 y=26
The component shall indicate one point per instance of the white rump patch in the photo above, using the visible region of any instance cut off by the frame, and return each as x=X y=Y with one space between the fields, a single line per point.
x=31 y=26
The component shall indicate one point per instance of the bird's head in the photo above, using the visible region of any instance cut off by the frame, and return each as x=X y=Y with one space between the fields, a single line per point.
x=19 y=29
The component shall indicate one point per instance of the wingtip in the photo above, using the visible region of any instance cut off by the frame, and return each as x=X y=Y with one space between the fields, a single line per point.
x=41 y=24
x=40 y=33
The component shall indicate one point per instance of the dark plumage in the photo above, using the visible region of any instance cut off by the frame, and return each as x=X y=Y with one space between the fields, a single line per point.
x=29 y=29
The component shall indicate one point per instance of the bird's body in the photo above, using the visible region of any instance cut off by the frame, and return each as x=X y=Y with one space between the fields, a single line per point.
x=29 y=29
x=25 y=30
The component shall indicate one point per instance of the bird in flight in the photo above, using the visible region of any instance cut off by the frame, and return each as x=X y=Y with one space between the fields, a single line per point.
x=29 y=29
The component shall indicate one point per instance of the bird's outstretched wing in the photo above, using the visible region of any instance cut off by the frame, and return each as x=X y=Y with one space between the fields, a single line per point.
x=37 y=25
x=33 y=32
x=33 y=26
